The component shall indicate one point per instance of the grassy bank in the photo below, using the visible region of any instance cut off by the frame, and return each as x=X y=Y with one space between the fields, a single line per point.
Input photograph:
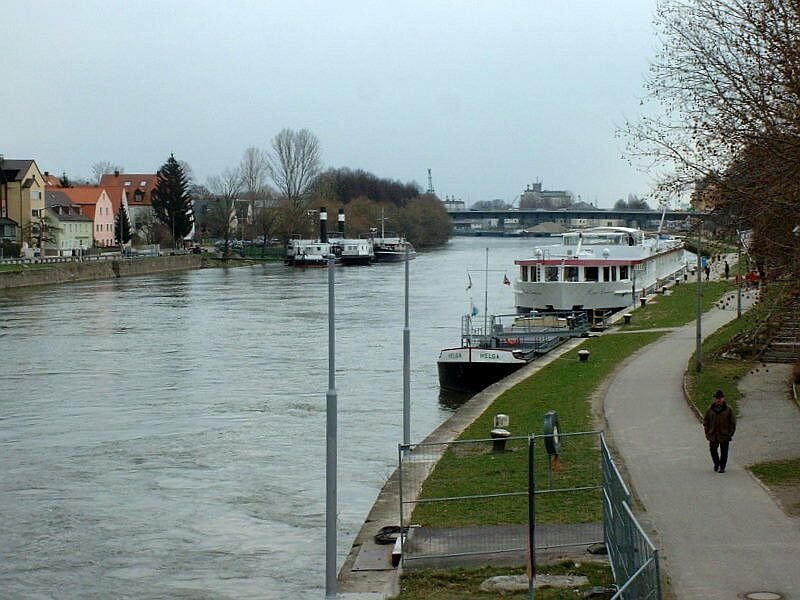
x=678 y=307
x=728 y=354
x=461 y=584
x=566 y=386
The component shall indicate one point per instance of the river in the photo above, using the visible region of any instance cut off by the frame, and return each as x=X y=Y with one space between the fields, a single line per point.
x=164 y=436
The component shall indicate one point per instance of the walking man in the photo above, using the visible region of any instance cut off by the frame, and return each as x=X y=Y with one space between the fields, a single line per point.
x=727 y=270
x=719 y=425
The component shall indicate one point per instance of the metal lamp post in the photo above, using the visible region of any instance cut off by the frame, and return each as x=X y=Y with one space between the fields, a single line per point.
x=406 y=369
x=330 y=454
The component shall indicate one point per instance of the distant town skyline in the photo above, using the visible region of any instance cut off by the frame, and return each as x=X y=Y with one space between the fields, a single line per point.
x=490 y=96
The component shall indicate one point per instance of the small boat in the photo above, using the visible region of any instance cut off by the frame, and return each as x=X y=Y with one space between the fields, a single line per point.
x=308 y=253
x=304 y=252
x=494 y=347
x=353 y=251
x=391 y=247
x=600 y=270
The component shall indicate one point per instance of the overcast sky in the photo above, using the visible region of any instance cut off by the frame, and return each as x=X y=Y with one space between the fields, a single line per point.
x=490 y=95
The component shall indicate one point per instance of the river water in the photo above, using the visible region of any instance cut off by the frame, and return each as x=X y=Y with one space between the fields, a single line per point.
x=164 y=436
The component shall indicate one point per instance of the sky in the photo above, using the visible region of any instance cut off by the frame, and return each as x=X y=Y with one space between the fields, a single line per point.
x=490 y=95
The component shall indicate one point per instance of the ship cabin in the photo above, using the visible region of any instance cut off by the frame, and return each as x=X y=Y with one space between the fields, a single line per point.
x=602 y=254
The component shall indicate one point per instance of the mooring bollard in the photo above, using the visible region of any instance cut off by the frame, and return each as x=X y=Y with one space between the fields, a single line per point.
x=643 y=301
x=500 y=434
x=627 y=317
x=583 y=355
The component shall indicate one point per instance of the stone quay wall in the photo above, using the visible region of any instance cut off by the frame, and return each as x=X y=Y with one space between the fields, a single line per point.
x=67 y=272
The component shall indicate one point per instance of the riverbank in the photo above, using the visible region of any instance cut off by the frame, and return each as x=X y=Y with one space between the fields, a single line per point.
x=68 y=272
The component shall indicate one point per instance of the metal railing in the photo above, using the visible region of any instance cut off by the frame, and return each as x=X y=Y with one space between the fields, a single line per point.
x=634 y=558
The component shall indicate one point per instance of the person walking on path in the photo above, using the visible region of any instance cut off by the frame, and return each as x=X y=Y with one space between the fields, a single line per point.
x=719 y=425
x=727 y=270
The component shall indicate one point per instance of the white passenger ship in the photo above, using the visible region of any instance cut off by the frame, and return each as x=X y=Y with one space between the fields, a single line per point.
x=597 y=269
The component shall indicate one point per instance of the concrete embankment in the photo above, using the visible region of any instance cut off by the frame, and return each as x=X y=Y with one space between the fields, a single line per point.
x=68 y=272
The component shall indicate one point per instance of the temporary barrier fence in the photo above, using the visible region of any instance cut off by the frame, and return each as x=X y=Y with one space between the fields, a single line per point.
x=510 y=496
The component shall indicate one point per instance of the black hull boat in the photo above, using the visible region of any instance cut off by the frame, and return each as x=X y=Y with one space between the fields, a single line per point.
x=491 y=351
x=471 y=370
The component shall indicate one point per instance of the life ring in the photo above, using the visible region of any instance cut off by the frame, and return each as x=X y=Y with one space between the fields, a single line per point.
x=552 y=433
x=512 y=341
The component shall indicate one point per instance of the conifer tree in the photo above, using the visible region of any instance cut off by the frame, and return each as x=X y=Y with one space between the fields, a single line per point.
x=172 y=204
x=122 y=226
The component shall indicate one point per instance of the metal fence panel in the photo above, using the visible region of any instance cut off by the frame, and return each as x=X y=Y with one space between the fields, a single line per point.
x=483 y=517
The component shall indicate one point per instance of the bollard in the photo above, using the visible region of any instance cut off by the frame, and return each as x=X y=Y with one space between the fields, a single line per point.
x=583 y=355
x=643 y=301
x=499 y=437
x=627 y=317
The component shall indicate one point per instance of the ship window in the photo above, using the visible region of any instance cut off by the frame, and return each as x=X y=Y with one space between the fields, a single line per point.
x=570 y=273
x=535 y=273
x=524 y=273
x=606 y=273
x=552 y=274
x=623 y=272
x=590 y=273
x=614 y=273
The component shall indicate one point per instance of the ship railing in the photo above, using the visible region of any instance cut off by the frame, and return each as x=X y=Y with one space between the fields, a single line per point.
x=555 y=323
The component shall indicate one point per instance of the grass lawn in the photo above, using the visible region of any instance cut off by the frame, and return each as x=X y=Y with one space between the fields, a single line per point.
x=27 y=267
x=464 y=584
x=779 y=472
x=566 y=386
x=678 y=307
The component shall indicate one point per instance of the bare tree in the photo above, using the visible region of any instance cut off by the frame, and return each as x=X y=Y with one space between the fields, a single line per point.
x=293 y=165
x=225 y=189
x=102 y=167
x=254 y=170
x=726 y=90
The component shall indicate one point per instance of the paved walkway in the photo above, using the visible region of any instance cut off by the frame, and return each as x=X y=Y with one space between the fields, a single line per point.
x=721 y=536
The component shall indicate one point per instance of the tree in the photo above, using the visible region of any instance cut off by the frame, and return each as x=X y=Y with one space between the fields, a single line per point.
x=225 y=189
x=102 y=167
x=122 y=226
x=254 y=169
x=267 y=219
x=40 y=231
x=491 y=205
x=293 y=165
x=726 y=86
x=425 y=221
x=172 y=204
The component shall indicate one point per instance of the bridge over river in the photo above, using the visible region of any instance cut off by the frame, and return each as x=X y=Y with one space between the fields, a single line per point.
x=477 y=222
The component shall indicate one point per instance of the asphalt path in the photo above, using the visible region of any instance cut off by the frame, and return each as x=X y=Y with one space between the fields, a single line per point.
x=720 y=536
